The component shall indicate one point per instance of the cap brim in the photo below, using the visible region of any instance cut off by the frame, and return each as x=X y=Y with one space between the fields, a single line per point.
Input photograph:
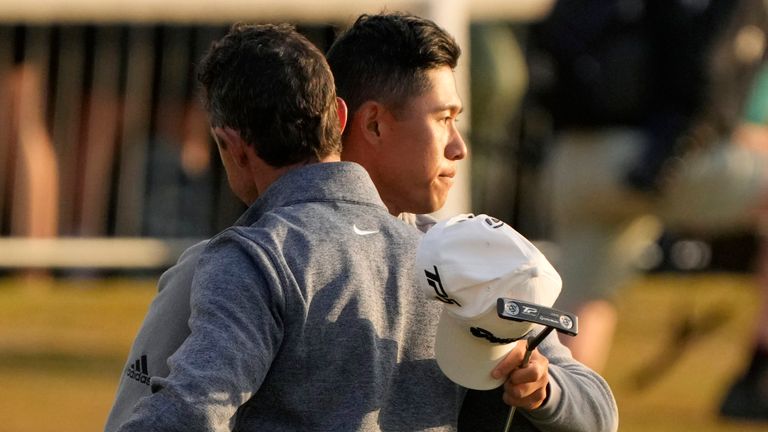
x=464 y=358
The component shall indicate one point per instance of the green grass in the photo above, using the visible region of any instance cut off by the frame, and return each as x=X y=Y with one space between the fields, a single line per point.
x=63 y=344
x=662 y=390
x=62 y=347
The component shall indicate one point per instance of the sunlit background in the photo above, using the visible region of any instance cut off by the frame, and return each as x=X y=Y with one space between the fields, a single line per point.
x=107 y=173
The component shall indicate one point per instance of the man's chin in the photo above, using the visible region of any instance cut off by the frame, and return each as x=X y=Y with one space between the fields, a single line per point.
x=436 y=204
x=426 y=204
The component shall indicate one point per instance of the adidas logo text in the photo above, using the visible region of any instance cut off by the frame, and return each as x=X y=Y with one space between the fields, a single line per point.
x=138 y=371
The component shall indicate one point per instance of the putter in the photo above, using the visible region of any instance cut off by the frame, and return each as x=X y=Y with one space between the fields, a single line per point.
x=551 y=319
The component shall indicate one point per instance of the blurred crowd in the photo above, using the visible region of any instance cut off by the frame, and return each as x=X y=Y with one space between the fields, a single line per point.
x=103 y=135
x=639 y=120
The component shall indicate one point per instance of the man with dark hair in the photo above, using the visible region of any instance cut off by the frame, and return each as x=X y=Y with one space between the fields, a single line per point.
x=410 y=146
x=285 y=113
x=413 y=169
x=282 y=130
x=304 y=315
x=396 y=73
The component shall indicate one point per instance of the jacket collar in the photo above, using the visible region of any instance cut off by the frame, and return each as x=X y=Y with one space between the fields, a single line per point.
x=325 y=181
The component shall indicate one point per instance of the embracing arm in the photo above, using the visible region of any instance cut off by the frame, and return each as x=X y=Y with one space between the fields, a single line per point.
x=235 y=331
x=580 y=399
x=162 y=332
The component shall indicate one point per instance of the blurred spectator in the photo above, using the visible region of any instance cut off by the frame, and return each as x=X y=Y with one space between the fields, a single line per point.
x=747 y=398
x=32 y=168
x=645 y=97
x=29 y=169
x=499 y=78
x=179 y=199
x=100 y=134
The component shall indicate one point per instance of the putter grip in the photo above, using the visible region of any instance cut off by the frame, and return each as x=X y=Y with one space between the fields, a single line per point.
x=531 y=345
x=524 y=363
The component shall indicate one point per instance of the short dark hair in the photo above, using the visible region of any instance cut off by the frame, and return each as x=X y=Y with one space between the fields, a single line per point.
x=386 y=58
x=275 y=88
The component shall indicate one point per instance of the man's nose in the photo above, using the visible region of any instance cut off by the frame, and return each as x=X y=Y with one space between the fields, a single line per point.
x=456 y=148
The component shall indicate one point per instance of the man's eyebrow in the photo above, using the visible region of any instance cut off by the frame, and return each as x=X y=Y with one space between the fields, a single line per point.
x=453 y=108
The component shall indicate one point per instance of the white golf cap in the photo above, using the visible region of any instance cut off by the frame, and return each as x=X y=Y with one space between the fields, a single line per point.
x=468 y=262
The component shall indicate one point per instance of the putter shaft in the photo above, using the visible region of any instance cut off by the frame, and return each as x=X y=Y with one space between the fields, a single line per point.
x=530 y=346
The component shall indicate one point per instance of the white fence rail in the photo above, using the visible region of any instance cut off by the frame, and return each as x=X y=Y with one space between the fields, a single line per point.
x=121 y=253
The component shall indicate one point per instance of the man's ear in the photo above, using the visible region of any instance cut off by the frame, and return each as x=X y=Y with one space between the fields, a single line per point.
x=231 y=142
x=341 y=110
x=369 y=115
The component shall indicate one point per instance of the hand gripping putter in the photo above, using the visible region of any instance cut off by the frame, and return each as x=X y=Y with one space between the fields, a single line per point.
x=551 y=319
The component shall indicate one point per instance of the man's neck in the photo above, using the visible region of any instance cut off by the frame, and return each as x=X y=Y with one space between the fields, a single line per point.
x=264 y=174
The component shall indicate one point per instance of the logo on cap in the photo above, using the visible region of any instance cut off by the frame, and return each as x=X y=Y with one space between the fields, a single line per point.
x=433 y=279
x=493 y=222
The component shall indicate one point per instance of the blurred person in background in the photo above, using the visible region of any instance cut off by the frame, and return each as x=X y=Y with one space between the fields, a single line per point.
x=180 y=177
x=29 y=164
x=646 y=99
x=28 y=160
x=747 y=397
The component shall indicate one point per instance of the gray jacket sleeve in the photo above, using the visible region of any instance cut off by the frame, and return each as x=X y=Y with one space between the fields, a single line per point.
x=235 y=332
x=580 y=400
x=162 y=332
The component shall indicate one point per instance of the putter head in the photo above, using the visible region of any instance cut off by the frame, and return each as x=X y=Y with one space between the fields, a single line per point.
x=517 y=310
